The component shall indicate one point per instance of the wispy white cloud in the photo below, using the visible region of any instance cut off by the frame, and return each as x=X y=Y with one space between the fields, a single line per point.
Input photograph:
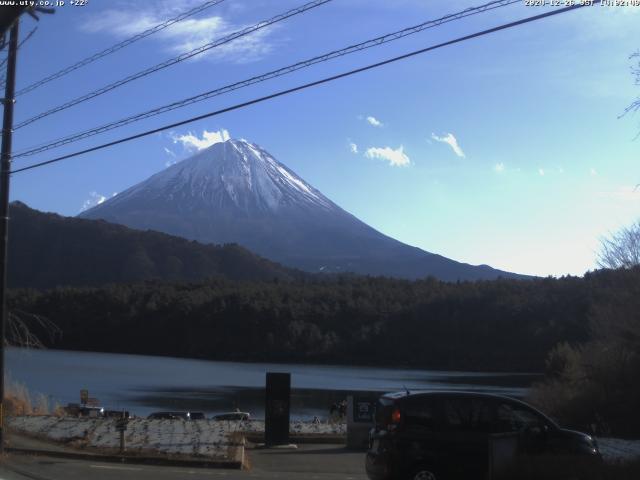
x=94 y=199
x=593 y=172
x=185 y=35
x=396 y=158
x=191 y=141
x=541 y=172
x=353 y=147
x=374 y=121
x=499 y=168
x=450 y=140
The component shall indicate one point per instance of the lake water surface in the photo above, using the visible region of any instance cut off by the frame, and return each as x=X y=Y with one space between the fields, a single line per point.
x=142 y=384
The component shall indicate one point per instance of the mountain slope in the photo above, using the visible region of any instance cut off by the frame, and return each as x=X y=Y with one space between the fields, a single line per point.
x=234 y=191
x=47 y=250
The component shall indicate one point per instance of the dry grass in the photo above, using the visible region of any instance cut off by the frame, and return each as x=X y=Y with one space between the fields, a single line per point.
x=18 y=400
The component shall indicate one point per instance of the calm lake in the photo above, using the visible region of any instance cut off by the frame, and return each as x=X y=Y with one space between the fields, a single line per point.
x=142 y=384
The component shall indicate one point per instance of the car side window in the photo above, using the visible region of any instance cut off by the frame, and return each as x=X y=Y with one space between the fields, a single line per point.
x=456 y=413
x=514 y=418
x=420 y=412
x=481 y=415
x=469 y=414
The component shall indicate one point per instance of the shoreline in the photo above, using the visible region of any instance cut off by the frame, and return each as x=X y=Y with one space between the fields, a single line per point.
x=320 y=363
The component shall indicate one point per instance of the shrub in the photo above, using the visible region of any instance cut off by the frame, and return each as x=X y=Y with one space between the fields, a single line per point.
x=19 y=401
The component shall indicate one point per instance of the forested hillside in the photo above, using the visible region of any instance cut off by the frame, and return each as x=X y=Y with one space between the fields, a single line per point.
x=47 y=250
x=496 y=325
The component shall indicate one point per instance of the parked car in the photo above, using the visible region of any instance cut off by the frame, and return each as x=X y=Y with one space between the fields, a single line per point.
x=81 y=410
x=197 y=415
x=445 y=435
x=116 y=414
x=232 y=416
x=170 y=416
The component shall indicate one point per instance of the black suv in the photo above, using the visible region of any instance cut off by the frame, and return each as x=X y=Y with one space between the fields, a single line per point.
x=443 y=435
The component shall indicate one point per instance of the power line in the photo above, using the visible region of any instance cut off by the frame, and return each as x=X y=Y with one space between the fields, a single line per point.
x=119 y=46
x=304 y=86
x=178 y=59
x=266 y=76
x=4 y=60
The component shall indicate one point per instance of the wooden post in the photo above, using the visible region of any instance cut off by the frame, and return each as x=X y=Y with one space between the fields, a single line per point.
x=5 y=168
x=121 y=426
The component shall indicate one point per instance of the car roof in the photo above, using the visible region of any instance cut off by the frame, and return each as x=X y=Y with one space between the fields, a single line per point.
x=446 y=393
x=460 y=394
x=169 y=413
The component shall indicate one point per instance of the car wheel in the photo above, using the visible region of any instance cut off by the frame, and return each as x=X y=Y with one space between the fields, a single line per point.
x=423 y=473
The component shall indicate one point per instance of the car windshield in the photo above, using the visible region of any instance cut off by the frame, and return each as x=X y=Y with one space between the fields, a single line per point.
x=330 y=239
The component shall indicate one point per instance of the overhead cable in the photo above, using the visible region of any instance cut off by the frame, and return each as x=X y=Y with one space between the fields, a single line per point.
x=264 y=77
x=172 y=61
x=304 y=86
x=118 y=46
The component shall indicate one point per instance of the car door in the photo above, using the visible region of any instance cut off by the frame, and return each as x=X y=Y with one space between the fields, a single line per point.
x=465 y=435
x=421 y=432
x=529 y=425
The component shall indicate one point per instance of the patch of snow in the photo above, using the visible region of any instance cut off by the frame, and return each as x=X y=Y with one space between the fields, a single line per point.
x=297 y=427
x=231 y=191
x=200 y=437
x=295 y=182
x=210 y=438
x=617 y=449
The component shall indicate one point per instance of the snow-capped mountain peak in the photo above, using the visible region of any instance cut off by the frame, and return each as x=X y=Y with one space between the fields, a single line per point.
x=235 y=191
x=235 y=174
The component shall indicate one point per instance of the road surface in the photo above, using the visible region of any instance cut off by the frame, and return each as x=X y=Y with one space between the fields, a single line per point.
x=314 y=462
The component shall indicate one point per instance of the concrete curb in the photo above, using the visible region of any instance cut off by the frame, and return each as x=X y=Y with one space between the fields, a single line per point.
x=302 y=439
x=237 y=463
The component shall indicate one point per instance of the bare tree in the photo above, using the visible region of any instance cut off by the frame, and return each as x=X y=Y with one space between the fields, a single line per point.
x=621 y=249
x=635 y=71
x=27 y=329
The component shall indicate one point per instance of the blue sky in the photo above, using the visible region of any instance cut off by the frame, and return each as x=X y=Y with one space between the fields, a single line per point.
x=505 y=150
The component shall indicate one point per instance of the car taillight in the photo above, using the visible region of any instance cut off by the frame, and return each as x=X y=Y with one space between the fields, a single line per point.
x=396 y=416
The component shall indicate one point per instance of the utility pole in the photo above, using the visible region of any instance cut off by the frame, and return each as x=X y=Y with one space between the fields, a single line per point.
x=5 y=169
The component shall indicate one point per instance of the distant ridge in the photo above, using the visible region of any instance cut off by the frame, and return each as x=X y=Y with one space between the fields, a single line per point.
x=47 y=250
x=235 y=191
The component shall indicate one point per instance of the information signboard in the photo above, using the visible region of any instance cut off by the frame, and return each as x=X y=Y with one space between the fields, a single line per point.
x=277 y=408
x=363 y=409
x=360 y=419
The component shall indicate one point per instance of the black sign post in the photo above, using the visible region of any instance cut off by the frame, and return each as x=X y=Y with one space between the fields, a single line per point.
x=121 y=426
x=360 y=419
x=277 y=406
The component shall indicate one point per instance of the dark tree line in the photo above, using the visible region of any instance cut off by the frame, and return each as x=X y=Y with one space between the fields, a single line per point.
x=507 y=325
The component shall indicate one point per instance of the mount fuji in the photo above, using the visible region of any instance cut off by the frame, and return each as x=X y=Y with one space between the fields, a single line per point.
x=236 y=192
